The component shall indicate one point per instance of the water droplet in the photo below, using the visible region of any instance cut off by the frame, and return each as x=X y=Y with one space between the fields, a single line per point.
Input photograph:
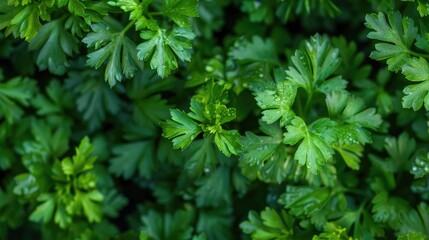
x=414 y=168
x=206 y=170
x=261 y=75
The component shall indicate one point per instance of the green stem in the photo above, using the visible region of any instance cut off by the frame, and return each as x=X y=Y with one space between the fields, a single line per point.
x=129 y=25
x=307 y=103
x=417 y=54
x=299 y=105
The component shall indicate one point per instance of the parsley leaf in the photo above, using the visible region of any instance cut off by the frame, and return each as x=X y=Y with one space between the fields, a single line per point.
x=94 y=97
x=44 y=211
x=214 y=189
x=180 y=10
x=56 y=101
x=413 y=236
x=386 y=208
x=111 y=44
x=313 y=68
x=209 y=109
x=313 y=151
x=62 y=205
x=266 y=156
x=162 y=47
x=215 y=222
x=55 y=44
x=270 y=224
x=136 y=9
x=25 y=23
x=305 y=200
x=168 y=226
x=256 y=50
x=277 y=102
x=397 y=35
x=350 y=113
x=259 y=11
x=202 y=157
x=15 y=91
x=416 y=70
x=332 y=231
x=132 y=157
x=415 y=220
x=181 y=128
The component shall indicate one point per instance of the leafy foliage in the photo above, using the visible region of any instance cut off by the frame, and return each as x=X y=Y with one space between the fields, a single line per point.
x=112 y=45
x=162 y=48
x=206 y=120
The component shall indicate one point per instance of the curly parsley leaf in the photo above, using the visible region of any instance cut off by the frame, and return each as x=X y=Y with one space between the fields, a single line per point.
x=397 y=35
x=111 y=45
x=162 y=47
